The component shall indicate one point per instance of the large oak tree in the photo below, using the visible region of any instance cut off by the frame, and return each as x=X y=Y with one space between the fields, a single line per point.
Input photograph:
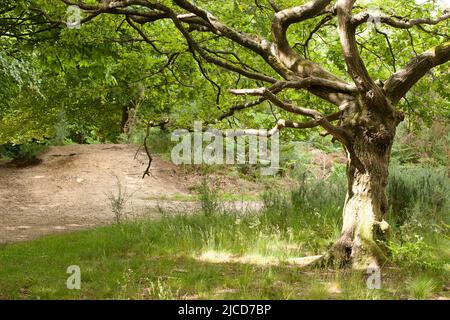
x=366 y=110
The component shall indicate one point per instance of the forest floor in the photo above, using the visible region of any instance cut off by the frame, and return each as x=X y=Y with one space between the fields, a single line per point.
x=246 y=237
x=72 y=186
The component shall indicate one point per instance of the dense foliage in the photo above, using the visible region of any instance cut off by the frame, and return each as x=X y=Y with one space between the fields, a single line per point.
x=78 y=83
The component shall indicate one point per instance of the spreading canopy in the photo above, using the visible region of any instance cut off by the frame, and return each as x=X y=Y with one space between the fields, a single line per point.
x=293 y=70
x=329 y=52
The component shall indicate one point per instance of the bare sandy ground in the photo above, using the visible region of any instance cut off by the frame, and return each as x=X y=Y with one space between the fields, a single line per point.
x=69 y=190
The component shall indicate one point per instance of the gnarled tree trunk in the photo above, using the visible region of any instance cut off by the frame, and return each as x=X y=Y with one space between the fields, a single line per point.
x=365 y=230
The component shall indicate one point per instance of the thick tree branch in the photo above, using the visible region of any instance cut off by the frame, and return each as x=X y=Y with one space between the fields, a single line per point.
x=371 y=92
x=293 y=61
x=281 y=22
x=299 y=84
x=195 y=47
x=400 y=82
x=399 y=24
x=279 y=86
x=281 y=123
x=337 y=132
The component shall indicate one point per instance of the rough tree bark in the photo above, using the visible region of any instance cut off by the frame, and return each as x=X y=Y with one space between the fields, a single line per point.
x=365 y=230
x=124 y=127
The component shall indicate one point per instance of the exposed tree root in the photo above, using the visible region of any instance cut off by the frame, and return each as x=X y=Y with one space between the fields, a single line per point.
x=348 y=254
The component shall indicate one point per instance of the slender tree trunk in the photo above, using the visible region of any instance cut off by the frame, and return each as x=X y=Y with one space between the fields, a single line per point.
x=365 y=230
x=125 y=119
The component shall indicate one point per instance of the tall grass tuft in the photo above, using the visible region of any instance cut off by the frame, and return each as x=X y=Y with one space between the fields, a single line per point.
x=118 y=202
x=419 y=214
x=418 y=193
x=209 y=198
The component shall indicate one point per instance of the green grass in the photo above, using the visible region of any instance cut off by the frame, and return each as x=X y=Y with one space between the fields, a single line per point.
x=172 y=258
x=228 y=255
x=224 y=196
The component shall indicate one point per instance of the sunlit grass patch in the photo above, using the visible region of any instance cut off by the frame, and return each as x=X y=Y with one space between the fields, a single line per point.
x=254 y=259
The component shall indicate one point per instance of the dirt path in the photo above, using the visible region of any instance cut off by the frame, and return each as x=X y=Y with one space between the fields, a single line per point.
x=69 y=190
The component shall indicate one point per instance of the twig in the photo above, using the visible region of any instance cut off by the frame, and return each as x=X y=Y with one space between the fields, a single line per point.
x=150 y=125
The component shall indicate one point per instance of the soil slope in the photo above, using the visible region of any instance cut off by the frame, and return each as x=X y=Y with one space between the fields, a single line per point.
x=70 y=188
